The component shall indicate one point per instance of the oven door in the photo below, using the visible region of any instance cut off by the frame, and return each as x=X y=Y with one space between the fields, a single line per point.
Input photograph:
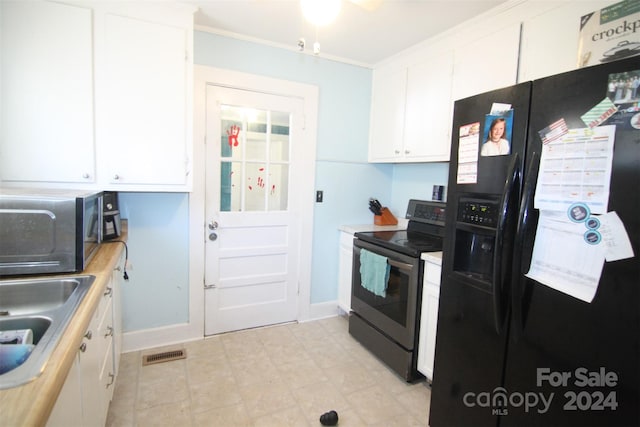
x=396 y=313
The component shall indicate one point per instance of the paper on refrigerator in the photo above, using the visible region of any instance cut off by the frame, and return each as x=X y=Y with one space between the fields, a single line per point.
x=562 y=259
x=576 y=168
x=469 y=139
x=615 y=238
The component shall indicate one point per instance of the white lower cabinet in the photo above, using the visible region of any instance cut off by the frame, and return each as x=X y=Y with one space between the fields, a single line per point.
x=68 y=407
x=429 y=316
x=85 y=397
x=344 y=271
x=89 y=362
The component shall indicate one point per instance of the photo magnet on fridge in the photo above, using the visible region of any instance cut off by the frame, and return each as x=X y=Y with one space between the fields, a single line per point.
x=498 y=129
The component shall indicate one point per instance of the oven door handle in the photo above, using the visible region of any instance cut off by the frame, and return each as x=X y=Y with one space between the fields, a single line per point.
x=400 y=265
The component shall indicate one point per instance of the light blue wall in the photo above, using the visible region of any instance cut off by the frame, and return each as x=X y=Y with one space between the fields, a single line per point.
x=158 y=292
x=345 y=90
x=415 y=181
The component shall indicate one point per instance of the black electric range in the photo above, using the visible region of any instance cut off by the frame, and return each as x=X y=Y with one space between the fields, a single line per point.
x=423 y=234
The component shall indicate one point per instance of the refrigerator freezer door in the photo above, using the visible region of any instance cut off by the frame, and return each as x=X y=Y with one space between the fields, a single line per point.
x=470 y=344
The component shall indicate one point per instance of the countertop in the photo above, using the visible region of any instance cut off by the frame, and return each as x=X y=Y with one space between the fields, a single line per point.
x=31 y=404
x=352 y=229
x=432 y=257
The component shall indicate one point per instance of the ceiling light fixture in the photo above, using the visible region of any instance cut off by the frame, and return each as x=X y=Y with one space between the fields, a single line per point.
x=320 y=12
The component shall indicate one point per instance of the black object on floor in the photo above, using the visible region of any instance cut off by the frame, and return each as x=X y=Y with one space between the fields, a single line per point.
x=329 y=418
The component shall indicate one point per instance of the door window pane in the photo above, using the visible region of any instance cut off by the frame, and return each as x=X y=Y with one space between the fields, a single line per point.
x=255 y=187
x=278 y=187
x=254 y=168
x=230 y=179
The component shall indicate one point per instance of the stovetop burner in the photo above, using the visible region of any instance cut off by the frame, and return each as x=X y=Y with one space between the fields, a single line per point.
x=412 y=244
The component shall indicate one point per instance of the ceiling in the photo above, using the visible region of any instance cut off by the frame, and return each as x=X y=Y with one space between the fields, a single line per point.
x=357 y=35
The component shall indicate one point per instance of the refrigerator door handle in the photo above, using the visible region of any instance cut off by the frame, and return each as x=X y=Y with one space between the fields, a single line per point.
x=525 y=234
x=501 y=260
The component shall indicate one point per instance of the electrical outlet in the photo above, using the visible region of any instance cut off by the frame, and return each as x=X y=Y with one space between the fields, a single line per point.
x=319 y=196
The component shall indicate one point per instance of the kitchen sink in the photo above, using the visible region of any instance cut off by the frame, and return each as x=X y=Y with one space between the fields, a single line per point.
x=33 y=296
x=45 y=306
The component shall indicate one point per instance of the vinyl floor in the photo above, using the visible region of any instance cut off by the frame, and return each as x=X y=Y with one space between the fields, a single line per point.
x=285 y=375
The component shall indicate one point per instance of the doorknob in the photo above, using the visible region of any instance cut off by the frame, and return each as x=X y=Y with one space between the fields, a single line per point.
x=213 y=237
x=213 y=225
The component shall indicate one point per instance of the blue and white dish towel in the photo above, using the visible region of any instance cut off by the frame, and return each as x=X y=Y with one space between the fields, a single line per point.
x=374 y=272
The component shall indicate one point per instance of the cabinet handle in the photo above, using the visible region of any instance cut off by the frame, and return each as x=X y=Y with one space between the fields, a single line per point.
x=407 y=151
x=112 y=379
x=86 y=175
x=83 y=347
x=397 y=151
x=108 y=292
x=116 y=177
x=109 y=332
x=88 y=335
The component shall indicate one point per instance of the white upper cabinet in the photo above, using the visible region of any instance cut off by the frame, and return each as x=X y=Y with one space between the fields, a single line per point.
x=387 y=114
x=412 y=107
x=410 y=112
x=143 y=133
x=427 y=124
x=97 y=94
x=413 y=92
x=545 y=52
x=487 y=63
x=47 y=127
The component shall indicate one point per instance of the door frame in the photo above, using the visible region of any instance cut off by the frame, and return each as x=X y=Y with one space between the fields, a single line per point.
x=204 y=75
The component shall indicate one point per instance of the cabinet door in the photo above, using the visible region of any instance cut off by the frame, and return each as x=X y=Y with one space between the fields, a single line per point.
x=432 y=297
x=143 y=122
x=428 y=111
x=488 y=63
x=116 y=282
x=344 y=271
x=68 y=408
x=107 y=369
x=47 y=93
x=387 y=115
x=429 y=319
x=90 y=362
x=537 y=59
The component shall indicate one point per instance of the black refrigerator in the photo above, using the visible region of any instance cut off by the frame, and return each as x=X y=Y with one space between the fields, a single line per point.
x=511 y=351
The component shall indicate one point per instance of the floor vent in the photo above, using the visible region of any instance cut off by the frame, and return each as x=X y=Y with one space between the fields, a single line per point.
x=166 y=356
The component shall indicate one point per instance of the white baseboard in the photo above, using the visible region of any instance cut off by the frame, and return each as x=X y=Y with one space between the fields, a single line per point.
x=159 y=337
x=176 y=334
x=321 y=310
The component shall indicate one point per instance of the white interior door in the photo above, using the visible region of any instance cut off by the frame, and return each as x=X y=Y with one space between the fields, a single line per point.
x=253 y=142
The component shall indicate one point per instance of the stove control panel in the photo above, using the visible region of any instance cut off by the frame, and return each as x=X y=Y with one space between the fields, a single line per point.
x=426 y=211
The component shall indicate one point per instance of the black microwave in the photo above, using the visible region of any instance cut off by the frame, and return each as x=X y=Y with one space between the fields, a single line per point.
x=48 y=231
